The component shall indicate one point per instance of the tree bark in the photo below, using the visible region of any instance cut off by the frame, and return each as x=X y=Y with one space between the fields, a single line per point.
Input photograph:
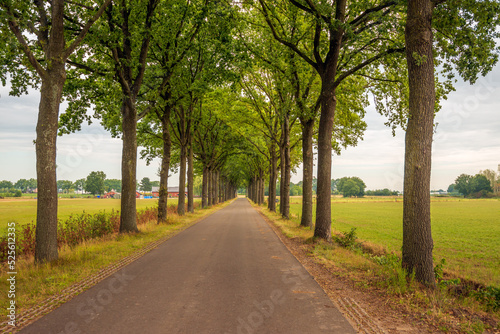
x=217 y=186
x=262 y=188
x=250 y=190
x=417 y=236
x=181 y=206
x=282 y=175
x=204 y=188
x=287 y=170
x=128 y=212
x=210 y=188
x=165 y=166
x=272 y=179
x=190 y=177
x=46 y=137
x=307 y=176
x=214 y=187
x=323 y=228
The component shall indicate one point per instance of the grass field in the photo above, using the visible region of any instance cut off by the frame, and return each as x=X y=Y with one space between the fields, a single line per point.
x=23 y=211
x=466 y=232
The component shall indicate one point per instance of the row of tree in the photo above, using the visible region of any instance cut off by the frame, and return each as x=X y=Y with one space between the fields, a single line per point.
x=347 y=186
x=317 y=63
x=147 y=60
x=240 y=93
x=25 y=185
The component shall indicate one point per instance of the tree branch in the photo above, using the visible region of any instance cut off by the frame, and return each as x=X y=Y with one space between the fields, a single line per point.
x=366 y=63
x=367 y=12
x=378 y=79
x=282 y=41
x=44 y=24
x=85 y=30
x=14 y=27
x=86 y=68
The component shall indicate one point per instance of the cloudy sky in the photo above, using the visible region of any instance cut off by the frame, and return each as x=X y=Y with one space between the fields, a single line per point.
x=467 y=141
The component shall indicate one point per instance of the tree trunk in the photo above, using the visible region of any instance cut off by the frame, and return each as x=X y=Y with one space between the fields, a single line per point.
x=221 y=189
x=214 y=187
x=181 y=206
x=287 y=170
x=272 y=179
x=250 y=189
x=46 y=137
x=204 y=188
x=307 y=176
x=190 y=177
x=129 y=164
x=417 y=236
x=224 y=189
x=262 y=188
x=323 y=228
x=165 y=166
x=210 y=188
x=217 y=185
x=282 y=175
x=255 y=189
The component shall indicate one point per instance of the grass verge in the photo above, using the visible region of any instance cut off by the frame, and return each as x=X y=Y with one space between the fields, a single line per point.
x=36 y=283
x=445 y=309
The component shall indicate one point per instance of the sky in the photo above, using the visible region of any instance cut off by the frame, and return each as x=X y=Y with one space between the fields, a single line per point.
x=467 y=140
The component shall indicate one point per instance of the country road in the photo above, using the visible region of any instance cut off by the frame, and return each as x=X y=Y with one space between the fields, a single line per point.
x=227 y=274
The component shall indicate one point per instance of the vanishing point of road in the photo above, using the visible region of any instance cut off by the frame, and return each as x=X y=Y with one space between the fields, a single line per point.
x=227 y=274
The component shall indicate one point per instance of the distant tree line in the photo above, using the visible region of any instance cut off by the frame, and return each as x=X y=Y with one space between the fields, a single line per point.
x=346 y=186
x=480 y=185
x=381 y=192
x=9 y=189
x=95 y=183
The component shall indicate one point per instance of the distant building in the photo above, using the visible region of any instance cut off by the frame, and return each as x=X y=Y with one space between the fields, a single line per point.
x=172 y=192
x=112 y=194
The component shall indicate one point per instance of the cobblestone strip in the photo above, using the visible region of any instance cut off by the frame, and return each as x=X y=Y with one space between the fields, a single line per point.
x=358 y=315
x=49 y=304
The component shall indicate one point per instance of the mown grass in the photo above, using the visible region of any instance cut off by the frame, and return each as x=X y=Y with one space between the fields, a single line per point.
x=466 y=232
x=23 y=211
x=36 y=283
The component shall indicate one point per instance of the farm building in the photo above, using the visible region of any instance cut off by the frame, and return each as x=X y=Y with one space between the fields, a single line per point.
x=172 y=192
x=112 y=194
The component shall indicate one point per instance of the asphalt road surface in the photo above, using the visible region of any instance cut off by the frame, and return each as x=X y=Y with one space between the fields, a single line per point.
x=227 y=274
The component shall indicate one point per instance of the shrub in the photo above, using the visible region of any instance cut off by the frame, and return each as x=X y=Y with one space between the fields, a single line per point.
x=490 y=296
x=347 y=239
x=12 y=193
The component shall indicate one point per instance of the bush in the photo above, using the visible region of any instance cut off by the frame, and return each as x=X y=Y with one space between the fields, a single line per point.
x=490 y=296
x=347 y=239
x=12 y=193
x=482 y=194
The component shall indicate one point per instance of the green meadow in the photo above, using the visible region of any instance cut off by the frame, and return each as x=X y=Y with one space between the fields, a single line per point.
x=23 y=211
x=466 y=232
